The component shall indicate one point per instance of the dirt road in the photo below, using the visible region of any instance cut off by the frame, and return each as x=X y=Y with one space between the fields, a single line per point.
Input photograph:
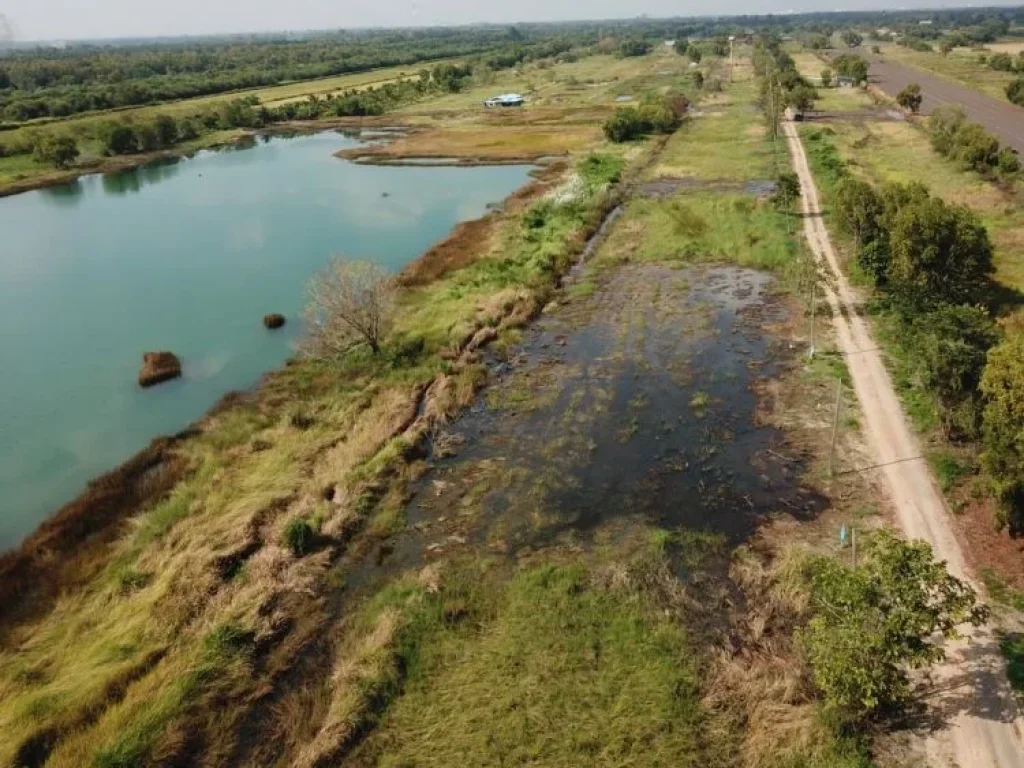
x=1000 y=117
x=981 y=725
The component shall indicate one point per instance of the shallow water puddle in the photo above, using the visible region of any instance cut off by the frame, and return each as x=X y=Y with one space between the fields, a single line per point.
x=637 y=402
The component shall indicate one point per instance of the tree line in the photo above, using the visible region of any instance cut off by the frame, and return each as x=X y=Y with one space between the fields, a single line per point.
x=969 y=144
x=132 y=135
x=932 y=264
x=57 y=83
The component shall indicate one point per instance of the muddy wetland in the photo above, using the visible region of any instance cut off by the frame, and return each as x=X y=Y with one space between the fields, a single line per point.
x=630 y=408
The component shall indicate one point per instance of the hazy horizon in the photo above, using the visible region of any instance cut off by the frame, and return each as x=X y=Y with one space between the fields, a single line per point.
x=60 y=20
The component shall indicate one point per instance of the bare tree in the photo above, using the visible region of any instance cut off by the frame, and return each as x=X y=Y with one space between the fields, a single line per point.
x=350 y=303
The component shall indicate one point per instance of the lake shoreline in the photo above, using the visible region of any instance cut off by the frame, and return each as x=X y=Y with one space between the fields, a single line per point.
x=58 y=551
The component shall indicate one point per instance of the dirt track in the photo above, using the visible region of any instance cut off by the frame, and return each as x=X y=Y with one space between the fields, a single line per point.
x=1000 y=117
x=981 y=725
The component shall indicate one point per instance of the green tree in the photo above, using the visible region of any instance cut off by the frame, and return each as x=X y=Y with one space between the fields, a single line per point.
x=166 y=128
x=634 y=47
x=938 y=252
x=698 y=79
x=1015 y=92
x=826 y=78
x=858 y=213
x=1007 y=162
x=801 y=98
x=950 y=347
x=871 y=624
x=852 y=38
x=852 y=67
x=787 y=191
x=118 y=139
x=1003 y=428
x=910 y=97
x=681 y=45
x=944 y=125
x=58 y=151
x=976 y=148
x=694 y=53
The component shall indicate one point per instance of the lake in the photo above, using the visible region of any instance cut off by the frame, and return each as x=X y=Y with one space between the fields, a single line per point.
x=185 y=256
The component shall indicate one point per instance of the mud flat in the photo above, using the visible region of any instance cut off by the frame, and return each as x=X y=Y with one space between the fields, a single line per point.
x=637 y=404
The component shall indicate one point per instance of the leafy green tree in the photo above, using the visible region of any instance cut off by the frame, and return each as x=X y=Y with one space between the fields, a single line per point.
x=858 y=213
x=166 y=128
x=1003 y=428
x=910 y=97
x=943 y=126
x=871 y=624
x=681 y=46
x=826 y=78
x=938 y=252
x=801 y=98
x=1015 y=92
x=118 y=139
x=976 y=148
x=1008 y=162
x=950 y=347
x=634 y=47
x=694 y=53
x=852 y=38
x=698 y=79
x=787 y=191
x=852 y=67
x=58 y=151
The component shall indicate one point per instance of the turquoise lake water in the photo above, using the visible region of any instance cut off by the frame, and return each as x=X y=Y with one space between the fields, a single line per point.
x=188 y=257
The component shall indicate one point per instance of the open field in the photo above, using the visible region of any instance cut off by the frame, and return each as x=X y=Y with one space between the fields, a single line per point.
x=960 y=65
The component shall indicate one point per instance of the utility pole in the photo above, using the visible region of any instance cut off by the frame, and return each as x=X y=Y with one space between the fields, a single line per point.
x=814 y=310
x=732 y=40
x=835 y=433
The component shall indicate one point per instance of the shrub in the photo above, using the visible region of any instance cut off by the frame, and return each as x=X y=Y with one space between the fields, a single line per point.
x=1003 y=428
x=910 y=97
x=871 y=623
x=939 y=252
x=629 y=48
x=950 y=345
x=1001 y=62
x=58 y=151
x=787 y=191
x=1007 y=162
x=625 y=125
x=826 y=78
x=299 y=536
x=858 y=213
x=1015 y=91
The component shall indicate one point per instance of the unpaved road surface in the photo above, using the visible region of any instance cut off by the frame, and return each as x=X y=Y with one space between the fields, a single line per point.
x=981 y=727
x=999 y=117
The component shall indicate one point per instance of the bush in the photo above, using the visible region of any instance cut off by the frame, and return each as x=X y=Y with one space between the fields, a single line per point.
x=299 y=536
x=787 y=191
x=870 y=624
x=629 y=48
x=654 y=115
x=1015 y=91
x=939 y=252
x=58 y=151
x=858 y=213
x=1001 y=62
x=118 y=139
x=910 y=97
x=950 y=345
x=1003 y=428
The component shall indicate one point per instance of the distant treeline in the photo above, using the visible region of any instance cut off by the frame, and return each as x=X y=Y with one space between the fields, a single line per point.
x=57 y=83
x=131 y=134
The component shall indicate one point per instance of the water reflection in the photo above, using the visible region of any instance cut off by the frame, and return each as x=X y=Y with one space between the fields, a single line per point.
x=65 y=195
x=133 y=180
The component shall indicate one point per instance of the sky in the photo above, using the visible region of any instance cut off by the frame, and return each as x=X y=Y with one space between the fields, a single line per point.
x=85 y=19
